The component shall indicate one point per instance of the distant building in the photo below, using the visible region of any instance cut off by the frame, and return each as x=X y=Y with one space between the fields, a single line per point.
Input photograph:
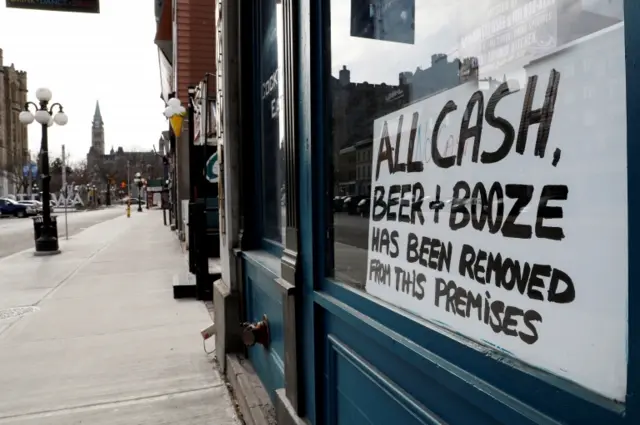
x=118 y=166
x=97 y=131
x=357 y=105
x=14 y=140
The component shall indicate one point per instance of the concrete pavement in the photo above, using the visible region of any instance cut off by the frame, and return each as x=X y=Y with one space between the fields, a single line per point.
x=93 y=335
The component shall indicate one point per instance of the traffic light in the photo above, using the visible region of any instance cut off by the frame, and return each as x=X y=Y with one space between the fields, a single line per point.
x=123 y=185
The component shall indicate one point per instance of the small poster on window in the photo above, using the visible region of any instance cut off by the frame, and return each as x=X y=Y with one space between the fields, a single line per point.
x=384 y=20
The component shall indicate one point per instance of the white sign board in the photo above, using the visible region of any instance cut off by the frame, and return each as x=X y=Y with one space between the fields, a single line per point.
x=72 y=200
x=199 y=113
x=502 y=214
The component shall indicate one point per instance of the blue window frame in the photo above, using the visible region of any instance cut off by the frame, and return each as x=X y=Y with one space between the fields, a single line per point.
x=519 y=394
x=268 y=157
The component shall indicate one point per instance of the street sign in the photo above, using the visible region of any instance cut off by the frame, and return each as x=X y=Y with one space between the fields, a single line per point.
x=82 y=6
x=212 y=168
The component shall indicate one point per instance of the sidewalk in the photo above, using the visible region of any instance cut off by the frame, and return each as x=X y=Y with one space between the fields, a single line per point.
x=94 y=336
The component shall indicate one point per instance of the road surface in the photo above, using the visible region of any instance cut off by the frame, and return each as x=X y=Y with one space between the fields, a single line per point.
x=16 y=234
x=351 y=230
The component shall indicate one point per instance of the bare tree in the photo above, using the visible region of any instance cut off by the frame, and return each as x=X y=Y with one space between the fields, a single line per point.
x=80 y=174
x=13 y=169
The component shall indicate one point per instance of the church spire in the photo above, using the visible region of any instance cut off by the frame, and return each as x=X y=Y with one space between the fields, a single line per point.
x=97 y=116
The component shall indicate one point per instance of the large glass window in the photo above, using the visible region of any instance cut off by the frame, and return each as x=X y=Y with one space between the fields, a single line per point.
x=272 y=180
x=479 y=172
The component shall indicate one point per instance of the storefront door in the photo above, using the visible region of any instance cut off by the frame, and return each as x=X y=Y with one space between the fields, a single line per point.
x=484 y=278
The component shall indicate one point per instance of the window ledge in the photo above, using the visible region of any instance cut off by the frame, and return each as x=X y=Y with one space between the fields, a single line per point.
x=269 y=262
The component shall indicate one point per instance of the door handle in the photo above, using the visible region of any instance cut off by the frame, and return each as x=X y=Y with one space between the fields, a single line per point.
x=256 y=333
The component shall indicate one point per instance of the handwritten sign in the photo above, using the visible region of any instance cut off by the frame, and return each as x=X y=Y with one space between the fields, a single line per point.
x=502 y=214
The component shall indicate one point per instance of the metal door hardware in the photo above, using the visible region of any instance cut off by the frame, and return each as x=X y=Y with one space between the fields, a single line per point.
x=256 y=333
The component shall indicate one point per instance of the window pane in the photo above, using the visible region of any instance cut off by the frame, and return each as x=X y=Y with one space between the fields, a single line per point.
x=476 y=147
x=272 y=121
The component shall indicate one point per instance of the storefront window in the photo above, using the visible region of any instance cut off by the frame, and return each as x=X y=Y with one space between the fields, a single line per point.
x=271 y=120
x=479 y=173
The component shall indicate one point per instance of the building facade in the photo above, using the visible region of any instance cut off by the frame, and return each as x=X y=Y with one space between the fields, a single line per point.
x=185 y=38
x=14 y=139
x=473 y=292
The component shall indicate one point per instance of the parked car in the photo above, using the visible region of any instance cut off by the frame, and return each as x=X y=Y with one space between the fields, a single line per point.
x=9 y=207
x=364 y=207
x=338 y=203
x=37 y=205
x=350 y=205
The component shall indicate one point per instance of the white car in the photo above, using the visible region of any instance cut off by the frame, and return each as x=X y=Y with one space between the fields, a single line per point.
x=36 y=205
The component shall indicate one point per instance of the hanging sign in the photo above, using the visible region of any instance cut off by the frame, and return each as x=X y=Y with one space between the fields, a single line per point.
x=199 y=112
x=211 y=122
x=212 y=168
x=502 y=214
x=83 y=6
x=176 y=124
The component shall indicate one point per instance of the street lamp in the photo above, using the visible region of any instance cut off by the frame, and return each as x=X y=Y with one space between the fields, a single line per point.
x=47 y=243
x=138 y=182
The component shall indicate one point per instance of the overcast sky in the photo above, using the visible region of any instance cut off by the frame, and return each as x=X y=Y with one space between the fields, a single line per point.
x=82 y=58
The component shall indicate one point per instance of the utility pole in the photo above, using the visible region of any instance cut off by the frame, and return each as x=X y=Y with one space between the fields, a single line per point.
x=129 y=179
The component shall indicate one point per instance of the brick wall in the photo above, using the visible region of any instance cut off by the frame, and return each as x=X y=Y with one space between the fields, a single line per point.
x=195 y=43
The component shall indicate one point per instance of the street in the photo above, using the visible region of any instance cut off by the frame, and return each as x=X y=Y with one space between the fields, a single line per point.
x=351 y=230
x=16 y=234
x=351 y=234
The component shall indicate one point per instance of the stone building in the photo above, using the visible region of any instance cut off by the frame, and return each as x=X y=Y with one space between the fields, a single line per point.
x=97 y=131
x=14 y=140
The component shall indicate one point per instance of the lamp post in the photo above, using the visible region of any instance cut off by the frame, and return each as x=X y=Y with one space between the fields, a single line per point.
x=193 y=169
x=47 y=243
x=92 y=195
x=146 y=192
x=138 y=181
x=163 y=201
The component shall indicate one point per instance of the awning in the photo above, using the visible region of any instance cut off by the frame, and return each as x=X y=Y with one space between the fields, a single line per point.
x=164 y=31
x=166 y=75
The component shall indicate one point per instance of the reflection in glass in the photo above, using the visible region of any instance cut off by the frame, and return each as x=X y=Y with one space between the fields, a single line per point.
x=380 y=64
x=271 y=121
x=479 y=173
